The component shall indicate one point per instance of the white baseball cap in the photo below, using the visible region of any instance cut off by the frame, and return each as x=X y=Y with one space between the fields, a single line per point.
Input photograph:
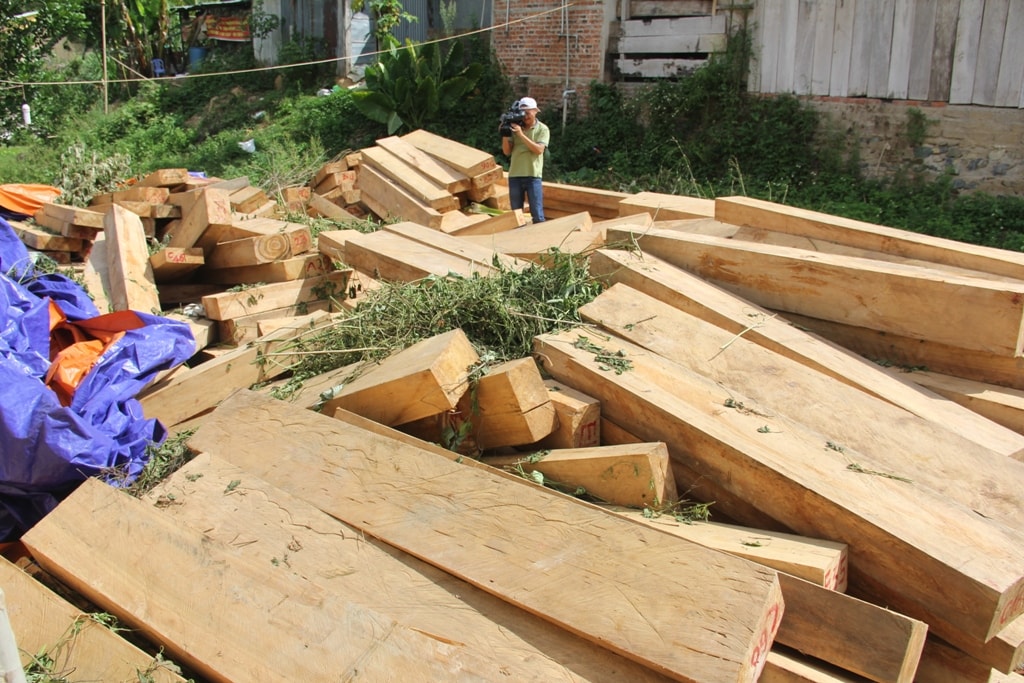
x=528 y=103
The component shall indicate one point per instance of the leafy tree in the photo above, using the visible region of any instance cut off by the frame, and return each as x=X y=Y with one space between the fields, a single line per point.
x=387 y=14
x=28 y=32
x=413 y=85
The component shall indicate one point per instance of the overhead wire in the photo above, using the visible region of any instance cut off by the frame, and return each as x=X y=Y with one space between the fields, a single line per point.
x=7 y=84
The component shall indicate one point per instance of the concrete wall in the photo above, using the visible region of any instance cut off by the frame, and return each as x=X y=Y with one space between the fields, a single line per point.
x=983 y=147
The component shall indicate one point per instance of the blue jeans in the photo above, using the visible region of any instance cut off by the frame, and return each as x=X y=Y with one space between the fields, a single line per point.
x=530 y=188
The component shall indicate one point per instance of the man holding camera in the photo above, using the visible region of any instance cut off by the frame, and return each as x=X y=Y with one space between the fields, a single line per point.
x=525 y=145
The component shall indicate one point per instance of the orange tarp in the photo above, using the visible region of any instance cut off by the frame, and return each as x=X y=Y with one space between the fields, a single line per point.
x=26 y=199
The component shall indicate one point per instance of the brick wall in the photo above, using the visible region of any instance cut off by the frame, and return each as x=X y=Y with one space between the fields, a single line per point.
x=545 y=50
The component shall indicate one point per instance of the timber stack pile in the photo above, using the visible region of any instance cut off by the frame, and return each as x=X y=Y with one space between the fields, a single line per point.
x=866 y=527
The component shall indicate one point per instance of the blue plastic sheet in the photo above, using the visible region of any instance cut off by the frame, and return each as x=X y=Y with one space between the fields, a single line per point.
x=47 y=449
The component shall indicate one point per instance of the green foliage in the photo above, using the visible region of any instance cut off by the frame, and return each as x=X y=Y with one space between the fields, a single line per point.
x=500 y=313
x=33 y=162
x=333 y=119
x=414 y=84
x=917 y=125
x=85 y=174
x=387 y=14
x=310 y=76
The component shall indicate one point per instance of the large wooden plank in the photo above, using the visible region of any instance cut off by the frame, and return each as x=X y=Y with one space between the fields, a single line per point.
x=463 y=158
x=990 y=52
x=249 y=251
x=842 y=50
x=298 y=234
x=224 y=615
x=304 y=266
x=1000 y=404
x=205 y=208
x=419 y=381
x=442 y=174
x=390 y=256
x=46 y=625
x=227 y=305
x=667 y=206
x=946 y=19
x=891 y=525
x=815 y=560
x=458 y=247
x=445 y=516
x=792 y=220
x=131 y=285
x=296 y=536
x=920 y=303
x=389 y=200
x=887 y=438
x=423 y=188
x=190 y=393
x=965 y=56
x=571 y=234
x=1011 y=64
x=689 y=293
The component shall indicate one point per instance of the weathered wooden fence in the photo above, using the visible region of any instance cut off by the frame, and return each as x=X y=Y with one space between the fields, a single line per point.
x=956 y=51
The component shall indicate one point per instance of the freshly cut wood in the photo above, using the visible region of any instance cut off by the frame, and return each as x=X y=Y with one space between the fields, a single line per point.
x=172 y=263
x=46 y=624
x=588 y=557
x=390 y=256
x=141 y=193
x=332 y=242
x=509 y=406
x=795 y=221
x=298 y=235
x=816 y=560
x=248 y=327
x=147 y=210
x=885 y=437
x=507 y=220
x=418 y=594
x=295 y=198
x=327 y=169
x=920 y=303
x=389 y=200
x=64 y=228
x=215 y=622
x=72 y=214
x=131 y=284
x=600 y=203
x=785 y=665
x=571 y=234
x=249 y=251
x=43 y=240
x=462 y=158
x=942 y=663
x=256 y=299
x=206 y=207
x=631 y=475
x=690 y=293
x=636 y=222
x=339 y=180
x=305 y=266
x=327 y=209
x=202 y=387
x=857 y=636
x=1002 y=405
x=165 y=177
x=667 y=206
x=204 y=331
x=579 y=418
x=441 y=173
x=423 y=188
x=96 y=275
x=455 y=246
x=424 y=379
x=247 y=199
x=900 y=534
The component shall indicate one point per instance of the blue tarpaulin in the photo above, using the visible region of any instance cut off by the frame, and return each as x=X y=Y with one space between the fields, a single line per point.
x=47 y=448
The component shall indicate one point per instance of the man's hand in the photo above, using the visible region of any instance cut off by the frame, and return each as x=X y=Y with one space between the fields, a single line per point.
x=515 y=128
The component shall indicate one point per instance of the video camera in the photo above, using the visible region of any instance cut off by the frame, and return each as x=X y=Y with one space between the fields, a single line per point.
x=516 y=115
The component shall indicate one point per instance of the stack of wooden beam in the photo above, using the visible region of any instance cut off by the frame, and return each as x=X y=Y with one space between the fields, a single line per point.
x=866 y=528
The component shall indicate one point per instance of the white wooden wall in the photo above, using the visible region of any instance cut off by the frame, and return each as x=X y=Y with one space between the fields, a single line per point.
x=956 y=51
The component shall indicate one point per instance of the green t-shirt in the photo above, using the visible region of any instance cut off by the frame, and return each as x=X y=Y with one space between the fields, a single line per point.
x=523 y=161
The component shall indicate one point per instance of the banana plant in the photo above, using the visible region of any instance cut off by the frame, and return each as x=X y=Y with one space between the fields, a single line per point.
x=414 y=84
